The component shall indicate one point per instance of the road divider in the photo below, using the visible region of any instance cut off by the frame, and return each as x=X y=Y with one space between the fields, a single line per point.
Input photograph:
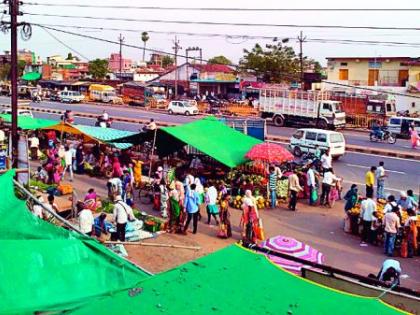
x=281 y=139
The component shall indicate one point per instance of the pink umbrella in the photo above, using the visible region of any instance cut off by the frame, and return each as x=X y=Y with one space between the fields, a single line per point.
x=292 y=247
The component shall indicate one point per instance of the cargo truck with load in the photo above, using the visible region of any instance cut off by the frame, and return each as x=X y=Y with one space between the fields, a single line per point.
x=311 y=108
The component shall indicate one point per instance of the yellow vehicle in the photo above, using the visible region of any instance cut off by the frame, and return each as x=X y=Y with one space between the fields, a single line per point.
x=103 y=93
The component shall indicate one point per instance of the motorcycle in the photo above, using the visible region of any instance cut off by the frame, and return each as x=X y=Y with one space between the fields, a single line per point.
x=104 y=123
x=382 y=135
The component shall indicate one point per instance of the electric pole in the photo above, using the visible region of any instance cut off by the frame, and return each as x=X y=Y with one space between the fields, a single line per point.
x=14 y=12
x=301 y=40
x=121 y=40
x=176 y=48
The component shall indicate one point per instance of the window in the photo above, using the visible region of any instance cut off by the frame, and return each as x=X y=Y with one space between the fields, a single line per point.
x=336 y=138
x=326 y=106
x=343 y=74
x=322 y=137
x=310 y=136
x=395 y=121
x=343 y=64
x=298 y=134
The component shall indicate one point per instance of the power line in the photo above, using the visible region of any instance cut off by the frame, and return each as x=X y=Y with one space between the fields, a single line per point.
x=64 y=44
x=224 y=23
x=222 y=9
x=315 y=40
x=233 y=65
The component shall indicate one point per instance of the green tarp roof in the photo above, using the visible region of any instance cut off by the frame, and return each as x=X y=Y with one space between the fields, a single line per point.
x=229 y=282
x=103 y=134
x=45 y=268
x=215 y=139
x=29 y=123
x=31 y=76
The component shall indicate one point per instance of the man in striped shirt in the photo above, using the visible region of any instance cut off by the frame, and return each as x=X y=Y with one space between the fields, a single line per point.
x=272 y=186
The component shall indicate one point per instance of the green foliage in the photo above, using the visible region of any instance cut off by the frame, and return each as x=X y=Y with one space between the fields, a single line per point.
x=220 y=60
x=107 y=206
x=145 y=37
x=69 y=56
x=98 y=68
x=5 y=72
x=167 y=61
x=275 y=63
x=21 y=67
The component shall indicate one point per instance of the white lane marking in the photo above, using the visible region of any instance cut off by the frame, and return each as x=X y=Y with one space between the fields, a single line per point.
x=363 y=184
x=368 y=167
x=384 y=156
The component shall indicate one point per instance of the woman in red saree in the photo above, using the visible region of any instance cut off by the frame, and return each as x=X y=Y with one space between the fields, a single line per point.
x=250 y=220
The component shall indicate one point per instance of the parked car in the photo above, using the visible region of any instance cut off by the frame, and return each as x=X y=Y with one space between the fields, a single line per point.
x=70 y=97
x=21 y=112
x=305 y=141
x=182 y=107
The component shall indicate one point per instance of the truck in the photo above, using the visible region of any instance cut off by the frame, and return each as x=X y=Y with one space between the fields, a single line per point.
x=103 y=93
x=365 y=110
x=311 y=108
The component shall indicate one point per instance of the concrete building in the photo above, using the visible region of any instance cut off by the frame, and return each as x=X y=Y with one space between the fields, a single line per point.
x=114 y=63
x=374 y=71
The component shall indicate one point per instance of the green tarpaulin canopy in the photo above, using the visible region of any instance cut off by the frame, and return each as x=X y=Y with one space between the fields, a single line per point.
x=31 y=76
x=45 y=268
x=229 y=282
x=215 y=139
x=29 y=123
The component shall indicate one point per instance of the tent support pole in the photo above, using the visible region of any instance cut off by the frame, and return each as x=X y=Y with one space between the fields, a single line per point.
x=153 y=152
x=55 y=215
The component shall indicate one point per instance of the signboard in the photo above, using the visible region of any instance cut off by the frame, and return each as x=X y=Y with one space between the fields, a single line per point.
x=218 y=76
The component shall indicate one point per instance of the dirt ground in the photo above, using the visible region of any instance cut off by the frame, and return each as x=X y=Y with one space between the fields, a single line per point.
x=319 y=227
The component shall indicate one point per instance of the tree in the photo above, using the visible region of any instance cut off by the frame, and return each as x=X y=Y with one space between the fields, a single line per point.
x=276 y=63
x=98 y=68
x=220 y=60
x=21 y=67
x=5 y=71
x=167 y=61
x=144 y=37
x=69 y=56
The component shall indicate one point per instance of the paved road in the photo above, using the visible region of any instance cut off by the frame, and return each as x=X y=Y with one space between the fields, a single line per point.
x=403 y=174
x=352 y=137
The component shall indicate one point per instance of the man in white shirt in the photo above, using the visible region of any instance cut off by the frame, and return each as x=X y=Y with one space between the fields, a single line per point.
x=105 y=116
x=391 y=203
x=328 y=180
x=368 y=207
x=122 y=213
x=380 y=175
x=326 y=160
x=86 y=220
x=34 y=147
x=68 y=159
x=114 y=188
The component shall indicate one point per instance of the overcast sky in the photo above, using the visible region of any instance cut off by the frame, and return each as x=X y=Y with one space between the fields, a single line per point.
x=44 y=45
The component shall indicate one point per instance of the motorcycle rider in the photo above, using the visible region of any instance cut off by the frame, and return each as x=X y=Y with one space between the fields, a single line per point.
x=377 y=130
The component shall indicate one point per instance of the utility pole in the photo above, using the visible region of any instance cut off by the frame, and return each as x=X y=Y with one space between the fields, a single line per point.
x=176 y=48
x=301 y=40
x=121 y=40
x=14 y=12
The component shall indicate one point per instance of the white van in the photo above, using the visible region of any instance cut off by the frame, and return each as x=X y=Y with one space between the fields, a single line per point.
x=400 y=125
x=71 y=97
x=306 y=140
x=21 y=112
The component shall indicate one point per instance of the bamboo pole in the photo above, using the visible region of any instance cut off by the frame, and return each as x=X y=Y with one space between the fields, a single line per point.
x=154 y=245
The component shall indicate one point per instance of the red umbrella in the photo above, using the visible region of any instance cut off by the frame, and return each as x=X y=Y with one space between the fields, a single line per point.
x=269 y=152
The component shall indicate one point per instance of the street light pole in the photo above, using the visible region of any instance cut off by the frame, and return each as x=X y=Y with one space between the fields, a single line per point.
x=176 y=48
x=14 y=11
x=121 y=40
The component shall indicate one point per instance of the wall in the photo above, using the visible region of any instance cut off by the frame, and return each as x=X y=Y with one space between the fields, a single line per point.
x=358 y=72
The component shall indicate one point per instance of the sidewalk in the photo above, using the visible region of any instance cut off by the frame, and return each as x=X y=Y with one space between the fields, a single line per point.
x=316 y=226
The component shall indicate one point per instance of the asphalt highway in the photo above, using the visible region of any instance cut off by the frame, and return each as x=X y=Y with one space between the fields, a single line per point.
x=352 y=137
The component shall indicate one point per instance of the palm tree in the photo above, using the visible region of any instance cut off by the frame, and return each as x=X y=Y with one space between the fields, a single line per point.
x=144 y=37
